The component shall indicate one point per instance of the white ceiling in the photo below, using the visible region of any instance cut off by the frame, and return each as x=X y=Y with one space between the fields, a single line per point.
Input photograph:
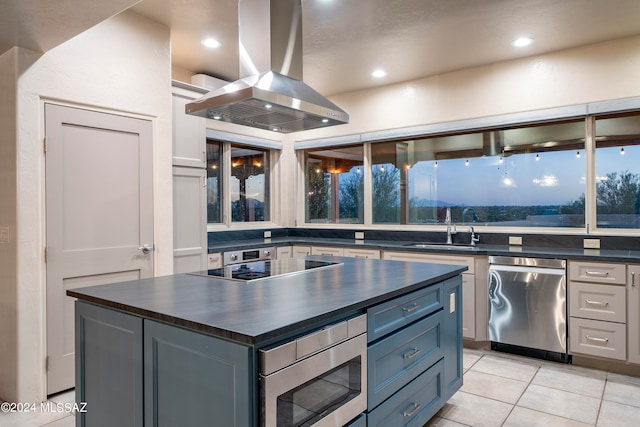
x=344 y=40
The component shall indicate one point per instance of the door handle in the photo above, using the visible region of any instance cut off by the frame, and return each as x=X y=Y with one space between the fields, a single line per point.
x=146 y=248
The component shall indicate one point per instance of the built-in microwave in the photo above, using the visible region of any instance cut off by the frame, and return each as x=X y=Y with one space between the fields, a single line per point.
x=317 y=380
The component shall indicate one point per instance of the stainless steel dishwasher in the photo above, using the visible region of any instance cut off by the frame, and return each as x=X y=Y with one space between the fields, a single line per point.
x=528 y=306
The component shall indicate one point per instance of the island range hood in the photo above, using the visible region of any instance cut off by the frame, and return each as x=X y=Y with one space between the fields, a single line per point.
x=270 y=93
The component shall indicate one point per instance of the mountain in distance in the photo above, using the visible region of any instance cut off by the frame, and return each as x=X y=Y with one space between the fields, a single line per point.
x=433 y=203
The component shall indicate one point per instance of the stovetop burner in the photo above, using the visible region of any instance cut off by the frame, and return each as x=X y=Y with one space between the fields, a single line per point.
x=256 y=270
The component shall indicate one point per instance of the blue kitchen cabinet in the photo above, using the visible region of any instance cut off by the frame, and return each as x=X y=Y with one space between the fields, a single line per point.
x=192 y=379
x=415 y=365
x=108 y=347
x=134 y=372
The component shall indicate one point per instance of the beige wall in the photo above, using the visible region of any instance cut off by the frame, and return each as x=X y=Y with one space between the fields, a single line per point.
x=123 y=66
x=592 y=73
x=8 y=221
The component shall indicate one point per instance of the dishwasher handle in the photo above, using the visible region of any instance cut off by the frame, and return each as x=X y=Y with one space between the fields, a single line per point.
x=526 y=269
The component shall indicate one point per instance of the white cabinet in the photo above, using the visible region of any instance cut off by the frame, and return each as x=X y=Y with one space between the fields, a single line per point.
x=283 y=252
x=189 y=183
x=598 y=309
x=326 y=251
x=633 y=312
x=214 y=260
x=298 y=250
x=362 y=253
x=189 y=220
x=189 y=132
x=468 y=282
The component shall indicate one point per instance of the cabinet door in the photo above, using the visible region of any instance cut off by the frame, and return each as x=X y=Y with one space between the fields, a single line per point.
x=633 y=311
x=452 y=336
x=214 y=260
x=109 y=374
x=283 y=252
x=189 y=220
x=192 y=379
x=189 y=132
x=468 y=306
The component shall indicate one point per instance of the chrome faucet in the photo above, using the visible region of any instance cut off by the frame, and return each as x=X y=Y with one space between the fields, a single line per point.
x=474 y=237
x=451 y=228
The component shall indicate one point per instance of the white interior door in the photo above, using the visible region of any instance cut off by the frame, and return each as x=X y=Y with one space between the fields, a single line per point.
x=99 y=216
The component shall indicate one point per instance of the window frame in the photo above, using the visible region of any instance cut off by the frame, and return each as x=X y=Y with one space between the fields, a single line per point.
x=274 y=150
x=585 y=112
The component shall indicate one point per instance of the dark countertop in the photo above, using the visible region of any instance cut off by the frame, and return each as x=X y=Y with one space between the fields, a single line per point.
x=268 y=309
x=606 y=255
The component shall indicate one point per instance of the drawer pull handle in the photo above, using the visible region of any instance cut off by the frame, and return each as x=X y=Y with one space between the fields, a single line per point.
x=596 y=339
x=361 y=256
x=590 y=302
x=411 y=412
x=597 y=273
x=633 y=279
x=414 y=307
x=414 y=353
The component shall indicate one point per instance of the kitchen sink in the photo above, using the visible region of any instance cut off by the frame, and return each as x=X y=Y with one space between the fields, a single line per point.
x=437 y=245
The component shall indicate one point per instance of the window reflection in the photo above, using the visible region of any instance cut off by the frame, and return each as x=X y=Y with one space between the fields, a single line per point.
x=618 y=171
x=335 y=185
x=214 y=181
x=524 y=177
x=249 y=184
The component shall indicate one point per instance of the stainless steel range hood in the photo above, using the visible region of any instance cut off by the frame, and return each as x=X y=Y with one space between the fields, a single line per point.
x=270 y=93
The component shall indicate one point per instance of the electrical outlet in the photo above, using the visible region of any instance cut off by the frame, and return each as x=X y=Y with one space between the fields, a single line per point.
x=267 y=234
x=359 y=234
x=592 y=243
x=515 y=240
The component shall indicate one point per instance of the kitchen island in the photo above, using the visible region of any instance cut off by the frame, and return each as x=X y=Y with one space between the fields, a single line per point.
x=184 y=349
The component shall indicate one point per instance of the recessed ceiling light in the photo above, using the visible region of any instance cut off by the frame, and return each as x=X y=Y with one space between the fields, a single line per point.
x=379 y=73
x=522 y=42
x=211 y=43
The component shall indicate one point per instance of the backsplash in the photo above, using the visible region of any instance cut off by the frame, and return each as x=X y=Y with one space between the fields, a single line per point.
x=538 y=240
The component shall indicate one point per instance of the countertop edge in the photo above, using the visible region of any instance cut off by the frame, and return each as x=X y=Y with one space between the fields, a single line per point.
x=271 y=335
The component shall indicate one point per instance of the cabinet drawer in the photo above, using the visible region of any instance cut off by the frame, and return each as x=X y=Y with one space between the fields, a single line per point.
x=319 y=250
x=433 y=258
x=297 y=251
x=362 y=253
x=413 y=405
x=597 y=272
x=400 y=357
x=598 y=302
x=385 y=318
x=598 y=338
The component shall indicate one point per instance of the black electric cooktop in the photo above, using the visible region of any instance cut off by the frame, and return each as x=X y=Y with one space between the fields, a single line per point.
x=256 y=270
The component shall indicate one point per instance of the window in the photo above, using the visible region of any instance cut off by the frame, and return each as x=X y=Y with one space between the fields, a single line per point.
x=618 y=171
x=237 y=183
x=334 y=183
x=524 y=177
x=214 y=181
x=249 y=184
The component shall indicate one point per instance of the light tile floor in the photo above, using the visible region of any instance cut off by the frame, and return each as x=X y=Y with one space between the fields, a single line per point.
x=499 y=389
